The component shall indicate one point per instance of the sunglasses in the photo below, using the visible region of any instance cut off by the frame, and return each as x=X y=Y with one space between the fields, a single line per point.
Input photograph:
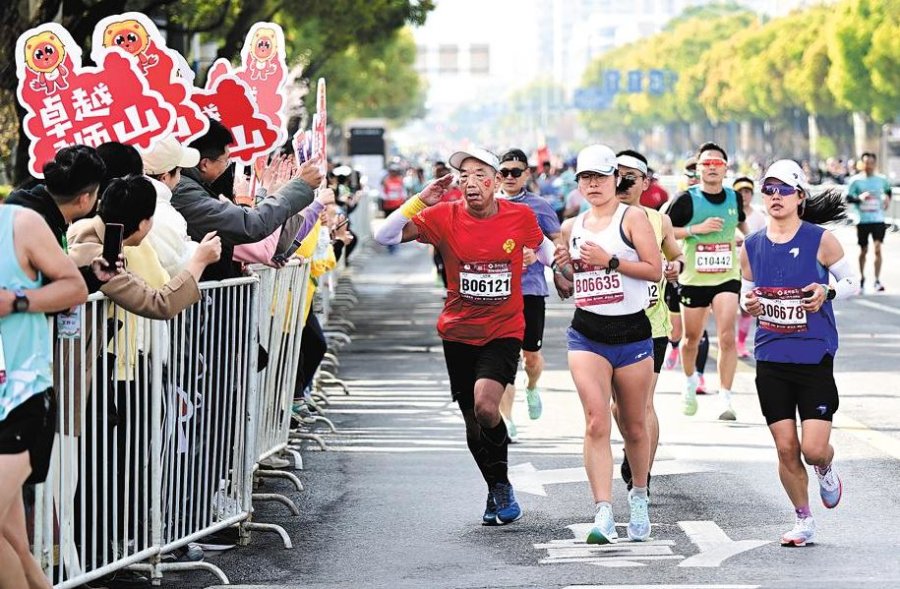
x=712 y=163
x=514 y=172
x=782 y=189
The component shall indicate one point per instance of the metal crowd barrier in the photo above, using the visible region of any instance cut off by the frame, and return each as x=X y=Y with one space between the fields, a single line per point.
x=157 y=436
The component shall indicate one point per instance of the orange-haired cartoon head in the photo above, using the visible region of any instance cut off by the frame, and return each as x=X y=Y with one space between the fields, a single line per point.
x=130 y=35
x=44 y=52
x=263 y=44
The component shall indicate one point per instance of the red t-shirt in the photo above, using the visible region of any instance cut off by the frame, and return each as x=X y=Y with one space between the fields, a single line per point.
x=654 y=197
x=483 y=259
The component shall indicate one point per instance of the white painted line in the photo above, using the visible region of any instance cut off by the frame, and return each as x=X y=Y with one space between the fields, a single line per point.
x=528 y=479
x=877 y=306
x=714 y=544
x=662 y=587
x=880 y=441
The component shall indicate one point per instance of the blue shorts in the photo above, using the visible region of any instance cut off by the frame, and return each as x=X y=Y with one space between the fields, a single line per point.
x=618 y=355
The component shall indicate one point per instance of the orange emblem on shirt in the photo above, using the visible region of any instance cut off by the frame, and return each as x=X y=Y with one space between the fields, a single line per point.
x=509 y=245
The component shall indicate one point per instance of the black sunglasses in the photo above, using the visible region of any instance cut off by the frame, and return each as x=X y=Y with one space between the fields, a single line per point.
x=514 y=172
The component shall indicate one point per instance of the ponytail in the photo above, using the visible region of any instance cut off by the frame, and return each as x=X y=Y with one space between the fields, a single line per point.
x=826 y=207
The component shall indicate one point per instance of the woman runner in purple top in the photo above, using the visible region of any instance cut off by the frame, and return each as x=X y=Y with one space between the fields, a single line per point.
x=785 y=285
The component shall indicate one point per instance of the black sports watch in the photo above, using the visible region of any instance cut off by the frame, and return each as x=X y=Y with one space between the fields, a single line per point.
x=830 y=293
x=613 y=264
x=20 y=304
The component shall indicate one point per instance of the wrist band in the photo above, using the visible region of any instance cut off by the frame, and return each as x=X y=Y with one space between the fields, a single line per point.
x=690 y=230
x=413 y=207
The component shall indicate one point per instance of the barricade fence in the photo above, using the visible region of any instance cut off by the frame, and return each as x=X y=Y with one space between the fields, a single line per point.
x=161 y=425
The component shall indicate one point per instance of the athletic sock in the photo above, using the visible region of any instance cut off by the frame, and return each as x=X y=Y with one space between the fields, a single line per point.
x=823 y=470
x=600 y=504
x=496 y=442
x=803 y=512
x=674 y=344
x=639 y=492
x=744 y=328
x=482 y=459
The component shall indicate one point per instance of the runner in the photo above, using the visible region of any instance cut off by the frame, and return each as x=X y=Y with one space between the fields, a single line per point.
x=534 y=286
x=756 y=220
x=706 y=217
x=635 y=179
x=612 y=254
x=871 y=193
x=482 y=324
x=785 y=286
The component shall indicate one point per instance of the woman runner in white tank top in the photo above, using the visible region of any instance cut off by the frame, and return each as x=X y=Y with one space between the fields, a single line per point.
x=610 y=255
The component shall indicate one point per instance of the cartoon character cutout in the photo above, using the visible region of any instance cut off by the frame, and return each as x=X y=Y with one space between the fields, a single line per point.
x=263 y=50
x=44 y=55
x=131 y=36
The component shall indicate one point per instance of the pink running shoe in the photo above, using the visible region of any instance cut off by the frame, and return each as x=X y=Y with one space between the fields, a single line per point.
x=672 y=359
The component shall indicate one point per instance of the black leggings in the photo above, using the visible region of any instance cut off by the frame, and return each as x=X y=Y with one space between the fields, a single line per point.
x=312 y=349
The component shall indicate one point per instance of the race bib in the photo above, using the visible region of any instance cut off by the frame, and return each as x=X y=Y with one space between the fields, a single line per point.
x=485 y=282
x=68 y=324
x=653 y=292
x=783 y=310
x=871 y=205
x=594 y=286
x=713 y=258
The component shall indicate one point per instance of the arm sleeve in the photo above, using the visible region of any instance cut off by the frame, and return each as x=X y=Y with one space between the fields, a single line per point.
x=545 y=252
x=846 y=277
x=391 y=231
x=746 y=287
x=681 y=210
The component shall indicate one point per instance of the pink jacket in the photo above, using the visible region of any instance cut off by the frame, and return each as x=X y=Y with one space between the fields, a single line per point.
x=260 y=252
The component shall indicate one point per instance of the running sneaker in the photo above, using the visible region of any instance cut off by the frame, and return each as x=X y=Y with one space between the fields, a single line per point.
x=727 y=413
x=490 y=511
x=701 y=386
x=742 y=351
x=862 y=285
x=626 y=471
x=604 y=530
x=671 y=359
x=511 y=431
x=801 y=534
x=639 y=523
x=878 y=286
x=830 y=488
x=689 y=397
x=535 y=407
x=508 y=509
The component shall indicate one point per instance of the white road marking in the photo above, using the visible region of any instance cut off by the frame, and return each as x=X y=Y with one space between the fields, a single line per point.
x=528 y=479
x=714 y=544
x=624 y=553
x=877 y=306
x=662 y=587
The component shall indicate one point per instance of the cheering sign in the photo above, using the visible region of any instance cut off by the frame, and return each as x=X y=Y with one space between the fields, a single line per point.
x=229 y=101
x=264 y=71
x=68 y=104
x=137 y=35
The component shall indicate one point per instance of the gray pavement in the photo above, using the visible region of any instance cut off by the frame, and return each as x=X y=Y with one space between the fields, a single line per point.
x=397 y=500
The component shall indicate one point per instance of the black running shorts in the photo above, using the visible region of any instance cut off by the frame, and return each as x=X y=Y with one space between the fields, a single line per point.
x=497 y=360
x=695 y=297
x=671 y=296
x=534 y=322
x=786 y=390
x=864 y=230
x=30 y=427
x=659 y=352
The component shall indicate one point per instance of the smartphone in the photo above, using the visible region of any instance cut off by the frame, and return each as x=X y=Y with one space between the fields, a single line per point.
x=341 y=224
x=112 y=243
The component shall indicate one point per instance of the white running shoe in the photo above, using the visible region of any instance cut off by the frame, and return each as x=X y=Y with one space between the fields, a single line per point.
x=689 y=397
x=639 y=523
x=727 y=412
x=604 y=530
x=830 y=488
x=801 y=534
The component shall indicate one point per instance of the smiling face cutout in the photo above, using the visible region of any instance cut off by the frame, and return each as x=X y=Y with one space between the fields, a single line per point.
x=130 y=35
x=44 y=52
x=263 y=44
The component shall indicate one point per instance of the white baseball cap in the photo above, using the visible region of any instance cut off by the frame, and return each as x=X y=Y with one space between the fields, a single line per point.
x=167 y=155
x=789 y=172
x=597 y=158
x=477 y=153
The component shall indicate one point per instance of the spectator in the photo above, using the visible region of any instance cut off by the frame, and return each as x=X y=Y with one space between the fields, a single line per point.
x=120 y=161
x=69 y=192
x=27 y=405
x=205 y=211
x=168 y=236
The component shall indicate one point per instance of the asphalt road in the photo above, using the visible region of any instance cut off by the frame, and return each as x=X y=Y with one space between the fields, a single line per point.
x=397 y=500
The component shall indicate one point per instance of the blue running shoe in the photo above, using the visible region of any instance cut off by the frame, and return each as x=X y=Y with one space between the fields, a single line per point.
x=639 y=523
x=490 y=511
x=508 y=509
x=535 y=407
x=830 y=488
x=604 y=530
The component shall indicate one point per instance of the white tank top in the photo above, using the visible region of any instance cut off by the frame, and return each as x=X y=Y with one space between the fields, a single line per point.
x=599 y=291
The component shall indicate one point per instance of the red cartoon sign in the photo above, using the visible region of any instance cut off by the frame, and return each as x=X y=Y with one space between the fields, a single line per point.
x=137 y=35
x=68 y=104
x=264 y=70
x=229 y=101
x=319 y=127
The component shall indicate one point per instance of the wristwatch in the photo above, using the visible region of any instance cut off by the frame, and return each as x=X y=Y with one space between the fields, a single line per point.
x=830 y=293
x=613 y=264
x=20 y=304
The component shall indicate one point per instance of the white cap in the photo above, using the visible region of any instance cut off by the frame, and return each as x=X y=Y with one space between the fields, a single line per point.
x=596 y=158
x=167 y=155
x=789 y=172
x=477 y=153
x=629 y=161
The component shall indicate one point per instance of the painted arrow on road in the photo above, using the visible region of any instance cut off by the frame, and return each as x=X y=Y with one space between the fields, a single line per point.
x=528 y=479
x=714 y=544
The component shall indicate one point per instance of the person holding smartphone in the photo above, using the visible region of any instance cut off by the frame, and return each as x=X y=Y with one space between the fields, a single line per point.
x=786 y=285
